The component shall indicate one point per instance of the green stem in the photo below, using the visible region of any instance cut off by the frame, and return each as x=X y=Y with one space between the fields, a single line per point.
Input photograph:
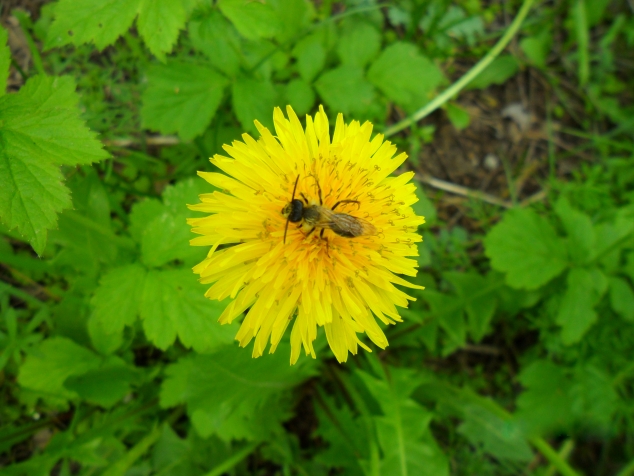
x=456 y=87
x=553 y=457
x=233 y=460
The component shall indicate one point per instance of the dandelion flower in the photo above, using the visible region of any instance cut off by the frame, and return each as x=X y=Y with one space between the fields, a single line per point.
x=318 y=276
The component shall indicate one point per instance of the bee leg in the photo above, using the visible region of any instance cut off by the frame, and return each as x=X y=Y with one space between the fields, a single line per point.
x=311 y=230
x=346 y=201
x=327 y=247
x=321 y=202
x=321 y=234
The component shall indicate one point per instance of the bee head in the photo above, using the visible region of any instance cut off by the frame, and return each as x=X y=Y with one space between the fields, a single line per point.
x=293 y=210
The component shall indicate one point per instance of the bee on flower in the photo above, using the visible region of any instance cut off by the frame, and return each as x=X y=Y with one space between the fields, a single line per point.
x=315 y=232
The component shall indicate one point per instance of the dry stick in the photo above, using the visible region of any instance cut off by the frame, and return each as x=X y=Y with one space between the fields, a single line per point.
x=153 y=140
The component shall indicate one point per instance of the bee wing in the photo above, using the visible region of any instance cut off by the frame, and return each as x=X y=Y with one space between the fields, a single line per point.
x=350 y=226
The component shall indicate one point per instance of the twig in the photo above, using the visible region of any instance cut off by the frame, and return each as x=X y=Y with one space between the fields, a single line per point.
x=152 y=140
x=477 y=194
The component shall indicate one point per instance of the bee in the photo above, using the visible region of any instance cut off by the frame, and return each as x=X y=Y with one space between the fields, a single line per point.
x=324 y=218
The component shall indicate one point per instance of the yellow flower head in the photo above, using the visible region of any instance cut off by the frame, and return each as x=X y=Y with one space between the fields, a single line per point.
x=335 y=268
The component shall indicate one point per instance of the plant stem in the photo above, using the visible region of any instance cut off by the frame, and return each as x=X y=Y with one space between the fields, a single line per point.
x=628 y=470
x=456 y=87
x=553 y=457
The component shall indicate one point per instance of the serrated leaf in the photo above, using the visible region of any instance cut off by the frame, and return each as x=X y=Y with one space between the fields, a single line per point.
x=448 y=312
x=159 y=23
x=501 y=438
x=576 y=311
x=293 y=17
x=174 y=304
x=525 y=246
x=253 y=99
x=300 y=96
x=501 y=69
x=104 y=386
x=310 y=54
x=85 y=21
x=232 y=395
x=181 y=97
x=5 y=60
x=51 y=363
x=417 y=78
x=359 y=43
x=594 y=398
x=622 y=298
x=579 y=229
x=142 y=214
x=117 y=299
x=41 y=130
x=345 y=89
x=218 y=40
x=404 y=436
x=252 y=19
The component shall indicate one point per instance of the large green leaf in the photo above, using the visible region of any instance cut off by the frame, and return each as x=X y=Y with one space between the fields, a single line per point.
x=253 y=99
x=218 y=40
x=47 y=367
x=174 y=304
x=576 y=311
x=405 y=76
x=526 y=247
x=345 y=89
x=232 y=395
x=406 y=441
x=103 y=21
x=252 y=19
x=40 y=129
x=359 y=44
x=181 y=97
x=85 y=21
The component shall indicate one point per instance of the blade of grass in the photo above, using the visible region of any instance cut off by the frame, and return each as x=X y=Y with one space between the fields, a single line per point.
x=581 y=30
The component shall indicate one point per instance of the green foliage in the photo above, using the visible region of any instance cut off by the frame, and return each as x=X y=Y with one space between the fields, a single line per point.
x=41 y=130
x=518 y=351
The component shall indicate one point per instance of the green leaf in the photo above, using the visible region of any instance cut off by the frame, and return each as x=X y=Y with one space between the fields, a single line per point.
x=622 y=298
x=104 y=386
x=181 y=97
x=300 y=96
x=51 y=363
x=85 y=21
x=165 y=236
x=218 y=40
x=501 y=69
x=424 y=207
x=579 y=229
x=117 y=299
x=538 y=47
x=525 y=246
x=449 y=313
x=358 y=44
x=142 y=214
x=478 y=293
x=174 y=303
x=545 y=404
x=310 y=54
x=405 y=76
x=159 y=23
x=253 y=20
x=40 y=130
x=293 y=17
x=501 y=438
x=594 y=398
x=232 y=395
x=458 y=116
x=576 y=311
x=404 y=436
x=253 y=99
x=344 y=89
x=5 y=60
